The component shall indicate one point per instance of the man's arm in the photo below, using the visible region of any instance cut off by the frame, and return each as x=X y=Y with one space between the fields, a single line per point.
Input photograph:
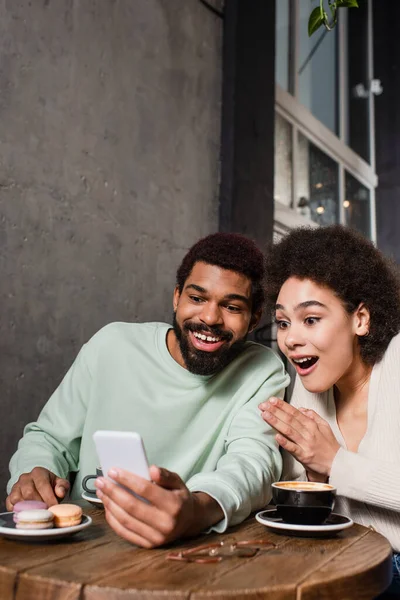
x=53 y=441
x=242 y=480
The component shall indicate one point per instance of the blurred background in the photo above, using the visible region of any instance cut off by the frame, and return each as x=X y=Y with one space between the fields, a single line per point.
x=131 y=128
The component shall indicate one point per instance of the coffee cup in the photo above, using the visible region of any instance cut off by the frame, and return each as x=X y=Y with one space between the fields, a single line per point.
x=99 y=473
x=303 y=502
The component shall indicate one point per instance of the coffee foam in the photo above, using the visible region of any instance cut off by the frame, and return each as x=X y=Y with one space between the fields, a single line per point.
x=303 y=486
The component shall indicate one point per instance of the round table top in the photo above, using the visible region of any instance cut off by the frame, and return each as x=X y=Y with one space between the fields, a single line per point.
x=95 y=564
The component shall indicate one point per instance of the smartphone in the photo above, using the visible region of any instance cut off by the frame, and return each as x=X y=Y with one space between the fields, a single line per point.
x=121 y=449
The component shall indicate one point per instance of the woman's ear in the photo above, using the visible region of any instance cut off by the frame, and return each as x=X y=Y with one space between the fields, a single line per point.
x=362 y=320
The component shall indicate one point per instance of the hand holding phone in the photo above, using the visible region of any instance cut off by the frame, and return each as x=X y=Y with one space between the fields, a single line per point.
x=185 y=512
x=122 y=450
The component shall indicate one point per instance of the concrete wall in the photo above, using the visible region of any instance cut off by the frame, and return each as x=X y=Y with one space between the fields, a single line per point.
x=109 y=148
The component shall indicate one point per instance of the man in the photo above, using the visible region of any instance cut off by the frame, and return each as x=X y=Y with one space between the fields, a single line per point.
x=191 y=390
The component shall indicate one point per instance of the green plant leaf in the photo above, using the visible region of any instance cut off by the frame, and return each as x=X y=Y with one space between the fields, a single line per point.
x=315 y=21
x=347 y=3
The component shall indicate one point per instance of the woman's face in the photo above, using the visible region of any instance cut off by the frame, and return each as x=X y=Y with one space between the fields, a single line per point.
x=317 y=334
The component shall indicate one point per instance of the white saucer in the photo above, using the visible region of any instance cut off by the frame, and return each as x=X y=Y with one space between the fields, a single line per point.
x=272 y=520
x=92 y=498
x=9 y=530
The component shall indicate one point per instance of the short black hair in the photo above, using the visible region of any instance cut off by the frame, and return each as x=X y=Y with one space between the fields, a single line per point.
x=352 y=267
x=231 y=251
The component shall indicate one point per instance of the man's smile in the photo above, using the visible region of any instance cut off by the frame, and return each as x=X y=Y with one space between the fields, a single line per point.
x=205 y=343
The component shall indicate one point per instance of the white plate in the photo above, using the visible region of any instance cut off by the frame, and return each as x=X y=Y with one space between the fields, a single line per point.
x=272 y=520
x=92 y=498
x=9 y=530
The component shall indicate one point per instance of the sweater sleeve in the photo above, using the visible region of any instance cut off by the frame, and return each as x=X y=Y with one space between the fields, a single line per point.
x=53 y=441
x=371 y=481
x=242 y=480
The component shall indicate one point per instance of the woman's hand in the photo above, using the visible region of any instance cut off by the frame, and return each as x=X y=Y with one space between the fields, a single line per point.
x=304 y=434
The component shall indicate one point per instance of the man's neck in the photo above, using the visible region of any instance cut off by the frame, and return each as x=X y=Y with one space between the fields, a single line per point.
x=174 y=349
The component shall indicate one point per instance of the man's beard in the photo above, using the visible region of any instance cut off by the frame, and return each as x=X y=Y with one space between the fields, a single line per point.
x=201 y=362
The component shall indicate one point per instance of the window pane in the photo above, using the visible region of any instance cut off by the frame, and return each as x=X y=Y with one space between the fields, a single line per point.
x=317 y=184
x=283 y=161
x=357 y=136
x=357 y=206
x=282 y=44
x=317 y=71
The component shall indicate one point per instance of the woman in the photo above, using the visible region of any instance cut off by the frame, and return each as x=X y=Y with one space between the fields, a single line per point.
x=337 y=309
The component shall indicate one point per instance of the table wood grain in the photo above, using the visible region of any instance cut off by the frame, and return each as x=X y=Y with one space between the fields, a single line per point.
x=96 y=564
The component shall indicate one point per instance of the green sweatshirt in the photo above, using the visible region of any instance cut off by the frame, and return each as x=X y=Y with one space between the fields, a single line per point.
x=205 y=428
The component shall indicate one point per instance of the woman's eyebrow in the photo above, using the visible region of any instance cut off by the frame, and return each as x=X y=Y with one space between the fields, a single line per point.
x=305 y=304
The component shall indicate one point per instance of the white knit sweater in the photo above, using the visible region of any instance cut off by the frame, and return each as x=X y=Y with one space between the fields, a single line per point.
x=367 y=481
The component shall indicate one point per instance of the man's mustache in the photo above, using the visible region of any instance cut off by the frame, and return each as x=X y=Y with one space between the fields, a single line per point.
x=212 y=331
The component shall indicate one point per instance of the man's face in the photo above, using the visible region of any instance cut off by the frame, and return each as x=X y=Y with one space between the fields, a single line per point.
x=212 y=318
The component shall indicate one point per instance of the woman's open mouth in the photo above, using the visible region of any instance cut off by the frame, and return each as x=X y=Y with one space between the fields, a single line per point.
x=305 y=365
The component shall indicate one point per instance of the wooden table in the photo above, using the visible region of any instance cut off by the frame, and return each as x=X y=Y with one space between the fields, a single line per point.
x=95 y=564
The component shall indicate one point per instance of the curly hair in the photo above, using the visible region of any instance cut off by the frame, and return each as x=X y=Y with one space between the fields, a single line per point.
x=231 y=251
x=344 y=261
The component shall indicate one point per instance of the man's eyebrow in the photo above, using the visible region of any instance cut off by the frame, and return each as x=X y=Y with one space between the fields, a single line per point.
x=238 y=297
x=198 y=288
x=202 y=290
x=302 y=305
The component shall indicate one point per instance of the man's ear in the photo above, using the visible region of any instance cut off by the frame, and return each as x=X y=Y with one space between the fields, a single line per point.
x=175 y=298
x=362 y=320
x=255 y=318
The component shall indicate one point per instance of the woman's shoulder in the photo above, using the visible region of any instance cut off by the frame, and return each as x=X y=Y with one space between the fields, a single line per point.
x=392 y=352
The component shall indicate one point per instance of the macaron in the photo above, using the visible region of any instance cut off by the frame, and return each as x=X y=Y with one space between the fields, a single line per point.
x=66 y=515
x=27 y=505
x=34 y=519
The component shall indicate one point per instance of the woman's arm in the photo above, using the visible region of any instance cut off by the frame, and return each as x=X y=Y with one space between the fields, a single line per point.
x=371 y=481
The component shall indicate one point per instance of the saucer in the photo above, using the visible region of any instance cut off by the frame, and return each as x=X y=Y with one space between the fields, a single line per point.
x=333 y=524
x=92 y=498
x=9 y=530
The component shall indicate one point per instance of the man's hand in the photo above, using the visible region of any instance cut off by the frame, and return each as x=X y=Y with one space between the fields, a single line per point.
x=171 y=510
x=39 y=484
x=304 y=434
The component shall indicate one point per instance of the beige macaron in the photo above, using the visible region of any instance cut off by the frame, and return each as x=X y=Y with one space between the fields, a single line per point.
x=34 y=519
x=66 y=515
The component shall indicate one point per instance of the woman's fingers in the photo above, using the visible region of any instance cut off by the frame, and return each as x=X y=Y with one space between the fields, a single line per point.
x=288 y=420
x=311 y=414
x=287 y=445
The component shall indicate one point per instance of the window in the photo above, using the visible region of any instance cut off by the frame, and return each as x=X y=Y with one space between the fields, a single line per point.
x=324 y=168
x=282 y=44
x=317 y=184
x=283 y=161
x=317 y=69
x=357 y=209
